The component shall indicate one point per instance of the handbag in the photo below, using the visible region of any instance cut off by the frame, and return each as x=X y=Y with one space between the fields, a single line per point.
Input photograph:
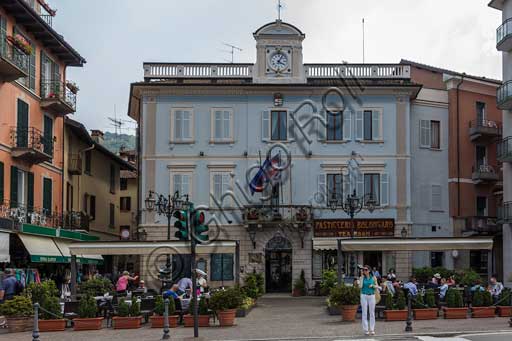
x=377 y=291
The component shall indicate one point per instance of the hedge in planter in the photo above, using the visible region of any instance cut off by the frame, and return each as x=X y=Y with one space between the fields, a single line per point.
x=505 y=303
x=203 y=317
x=128 y=316
x=51 y=317
x=299 y=287
x=254 y=286
x=482 y=301
x=347 y=299
x=225 y=303
x=87 y=310
x=395 y=307
x=424 y=308
x=157 y=320
x=454 y=305
x=96 y=287
x=19 y=313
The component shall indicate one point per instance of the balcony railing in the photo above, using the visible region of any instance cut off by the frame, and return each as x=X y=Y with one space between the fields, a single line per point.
x=56 y=97
x=503 y=35
x=13 y=62
x=261 y=214
x=484 y=173
x=47 y=18
x=75 y=164
x=482 y=128
x=506 y=212
x=358 y=71
x=30 y=144
x=76 y=221
x=21 y=214
x=482 y=225
x=504 y=150
x=504 y=96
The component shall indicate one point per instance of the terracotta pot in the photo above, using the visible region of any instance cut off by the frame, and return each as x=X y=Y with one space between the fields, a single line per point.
x=52 y=325
x=395 y=315
x=126 y=322
x=94 y=323
x=226 y=317
x=478 y=312
x=425 y=314
x=202 y=320
x=348 y=312
x=504 y=311
x=20 y=324
x=158 y=321
x=297 y=293
x=455 y=313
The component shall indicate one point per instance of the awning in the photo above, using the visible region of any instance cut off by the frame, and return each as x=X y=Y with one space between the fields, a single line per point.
x=42 y=249
x=404 y=244
x=148 y=248
x=4 y=248
x=63 y=246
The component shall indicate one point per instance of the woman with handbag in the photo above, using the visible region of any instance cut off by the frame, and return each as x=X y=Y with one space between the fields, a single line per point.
x=370 y=295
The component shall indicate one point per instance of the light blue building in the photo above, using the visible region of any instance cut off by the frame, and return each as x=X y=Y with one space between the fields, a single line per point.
x=205 y=129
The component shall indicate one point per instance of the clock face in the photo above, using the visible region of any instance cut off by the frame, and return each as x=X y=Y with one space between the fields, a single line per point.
x=279 y=62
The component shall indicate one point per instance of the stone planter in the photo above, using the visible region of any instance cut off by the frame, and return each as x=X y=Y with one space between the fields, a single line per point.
x=20 y=324
x=94 y=323
x=425 y=314
x=504 y=311
x=395 y=315
x=158 y=321
x=226 y=317
x=348 y=312
x=455 y=313
x=126 y=322
x=334 y=310
x=202 y=320
x=52 y=325
x=480 y=312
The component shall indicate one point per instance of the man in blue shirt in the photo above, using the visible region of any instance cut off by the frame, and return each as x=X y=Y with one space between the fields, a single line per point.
x=184 y=284
x=411 y=286
x=10 y=284
x=443 y=289
x=173 y=292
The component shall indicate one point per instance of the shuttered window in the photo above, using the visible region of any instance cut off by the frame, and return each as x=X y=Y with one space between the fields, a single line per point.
x=436 y=196
x=30 y=191
x=222 y=267
x=14 y=187
x=47 y=195
x=112 y=179
x=92 y=207
x=48 y=136
x=88 y=157
x=126 y=203
x=112 y=213
x=279 y=124
x=2 y=182
x=22 y=124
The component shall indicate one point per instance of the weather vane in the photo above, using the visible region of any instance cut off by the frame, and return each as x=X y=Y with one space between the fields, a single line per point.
x=279 y=8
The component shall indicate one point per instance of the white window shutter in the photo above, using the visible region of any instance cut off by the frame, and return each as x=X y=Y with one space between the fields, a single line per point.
x=436 y=204
x=384 y=189
x=322 y=126
x=347 y=125
x=291 y=127
x=376 y=125
x=360 y=185
x=265 y=125
x=359 y=125
x=425 y=133
x=321 y=189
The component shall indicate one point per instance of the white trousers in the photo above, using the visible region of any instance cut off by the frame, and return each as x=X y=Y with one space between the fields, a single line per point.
x=368 y=303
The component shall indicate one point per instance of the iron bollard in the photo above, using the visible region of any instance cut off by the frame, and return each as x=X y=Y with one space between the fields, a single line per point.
x=408 y=326
x=166 y=320
x=35 y=332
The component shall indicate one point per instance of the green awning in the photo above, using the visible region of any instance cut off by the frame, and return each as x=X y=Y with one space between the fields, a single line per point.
x=42 y=249
x=63 y=246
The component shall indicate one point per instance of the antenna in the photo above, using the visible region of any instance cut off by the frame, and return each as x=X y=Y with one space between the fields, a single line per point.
x=279 y=8
x=232 y=52
x=363 y=40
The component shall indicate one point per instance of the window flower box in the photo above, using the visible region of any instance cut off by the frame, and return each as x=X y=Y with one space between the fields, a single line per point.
x=20 y=43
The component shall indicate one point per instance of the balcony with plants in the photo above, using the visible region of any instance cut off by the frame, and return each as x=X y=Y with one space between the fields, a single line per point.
x=484 y=173
x=58 y=97
x=13 y=57
x=30 y=145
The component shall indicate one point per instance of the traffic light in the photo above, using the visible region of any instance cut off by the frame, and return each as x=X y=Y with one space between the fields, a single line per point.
x=198 y=219
x=181 y=225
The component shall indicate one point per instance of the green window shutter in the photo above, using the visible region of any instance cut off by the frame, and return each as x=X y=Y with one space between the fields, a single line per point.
x=1 y=182
x=48 y=135
x=14 y=186
x=30 y=193
x=47 y=195
x=3 y=33
x=22 y=124
x=227 y=267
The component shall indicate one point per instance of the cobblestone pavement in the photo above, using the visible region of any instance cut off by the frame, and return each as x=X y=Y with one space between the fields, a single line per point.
x=286 y=318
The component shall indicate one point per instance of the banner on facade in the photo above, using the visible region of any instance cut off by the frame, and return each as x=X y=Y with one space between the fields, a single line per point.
x=342 y=228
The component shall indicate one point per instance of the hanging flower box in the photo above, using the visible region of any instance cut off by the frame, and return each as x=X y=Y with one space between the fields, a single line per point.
x=20 y=43
x=72 y=87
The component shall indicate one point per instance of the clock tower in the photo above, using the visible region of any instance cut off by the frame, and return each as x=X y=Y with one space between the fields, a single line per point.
x=279 y=54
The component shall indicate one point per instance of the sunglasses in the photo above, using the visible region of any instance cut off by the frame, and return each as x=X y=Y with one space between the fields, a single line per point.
x=365 y=269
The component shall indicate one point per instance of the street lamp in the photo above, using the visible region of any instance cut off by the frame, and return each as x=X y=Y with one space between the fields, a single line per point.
x=352 y=205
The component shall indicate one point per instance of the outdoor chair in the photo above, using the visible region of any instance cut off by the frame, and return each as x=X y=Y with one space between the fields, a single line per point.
x=147 y=305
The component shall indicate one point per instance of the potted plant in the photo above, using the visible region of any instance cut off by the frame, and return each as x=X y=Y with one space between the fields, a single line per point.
x=19 y=313
x=505 y=303
x=481 y=305
x=299 y=287
x=128 y=316
x=203 y=317
x=225 y=303
x=20 y=43
x=96 y=287
x=51 y=317
x=424 y=308
x=157 y=320
x=395 y=307
x=247 y=304
x=454 y=305
x=347 y=299
x=72 y=87
x=87 y=310
x=329 y=278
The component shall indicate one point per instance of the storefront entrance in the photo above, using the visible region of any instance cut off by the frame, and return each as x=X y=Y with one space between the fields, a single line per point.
x=278 y=265
x=373 y=259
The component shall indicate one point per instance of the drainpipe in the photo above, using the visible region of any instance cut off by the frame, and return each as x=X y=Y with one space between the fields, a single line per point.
x=458 y=146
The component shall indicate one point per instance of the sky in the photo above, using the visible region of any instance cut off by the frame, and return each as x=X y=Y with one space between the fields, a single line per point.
x=117 y=36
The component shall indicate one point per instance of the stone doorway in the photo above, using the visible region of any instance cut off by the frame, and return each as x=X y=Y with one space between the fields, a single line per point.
x=278 y=265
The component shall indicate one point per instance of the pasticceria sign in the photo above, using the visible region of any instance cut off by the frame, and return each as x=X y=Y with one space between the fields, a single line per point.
x=362 y=227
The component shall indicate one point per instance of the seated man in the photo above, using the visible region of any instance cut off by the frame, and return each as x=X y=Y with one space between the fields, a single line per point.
x=172 y=293
x=184 y=285
x=411 y=286
x=495 y=288
x=443 y=289
x=478 y=286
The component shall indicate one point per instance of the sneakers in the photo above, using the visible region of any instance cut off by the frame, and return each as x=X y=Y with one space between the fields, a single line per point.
x=372 y=333
x=366 y=333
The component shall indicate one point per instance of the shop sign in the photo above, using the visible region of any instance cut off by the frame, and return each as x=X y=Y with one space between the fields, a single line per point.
x=342 y=228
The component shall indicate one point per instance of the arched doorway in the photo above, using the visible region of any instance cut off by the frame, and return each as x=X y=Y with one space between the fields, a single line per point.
x=278 y=264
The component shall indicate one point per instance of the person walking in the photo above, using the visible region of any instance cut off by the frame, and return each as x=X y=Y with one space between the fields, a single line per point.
x=368 y=285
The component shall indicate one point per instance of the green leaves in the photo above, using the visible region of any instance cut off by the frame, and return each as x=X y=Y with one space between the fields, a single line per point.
x=18 y=306
x=87 y=307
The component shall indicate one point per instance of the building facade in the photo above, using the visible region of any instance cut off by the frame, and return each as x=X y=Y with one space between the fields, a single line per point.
x=205 y=130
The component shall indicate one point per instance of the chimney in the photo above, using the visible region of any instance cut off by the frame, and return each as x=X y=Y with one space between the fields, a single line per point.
x=97 y=136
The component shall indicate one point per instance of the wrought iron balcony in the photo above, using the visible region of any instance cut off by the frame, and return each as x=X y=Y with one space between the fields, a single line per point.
x=29 y=144
x=76 y=221
x=483 y=173
x=482 y=225
x=75 y=164
x=21 y=214
x=57 y=98
x=482 y=129
x=504 y=96
x=504 y=150
x=13 y=62
x=287 y=214
x=504 y=36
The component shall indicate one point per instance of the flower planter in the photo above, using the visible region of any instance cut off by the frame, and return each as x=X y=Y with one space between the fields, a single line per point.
x=243 y=312
x=126 y=322
x=455 y=313
x=395 y=315
x=226 y=317
x=52 y=325
x=425 y=314
x=20 y=324
x=297 y=293
x=202 y=320
x=87 y=323
x=504 y=311
x=348 y=312
x=158 y=321
x=480 y=312
x=334 y=311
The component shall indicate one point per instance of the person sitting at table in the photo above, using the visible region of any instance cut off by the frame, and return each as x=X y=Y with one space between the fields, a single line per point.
x=478 y=286
x=173 y=292
x=388 y=286
x=451 y=281
x=411 y=286
x=184 y=285
x=443 y=289
x=434 y=282
x=495 y=288
x=142 y=287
